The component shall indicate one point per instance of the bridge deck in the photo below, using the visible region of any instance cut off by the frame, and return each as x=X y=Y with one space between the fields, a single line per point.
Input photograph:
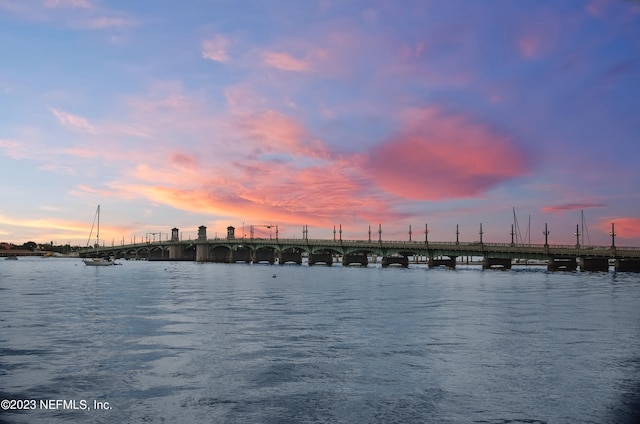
x=383 y=248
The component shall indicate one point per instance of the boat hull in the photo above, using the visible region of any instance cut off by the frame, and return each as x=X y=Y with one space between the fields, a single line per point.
x=98 y=262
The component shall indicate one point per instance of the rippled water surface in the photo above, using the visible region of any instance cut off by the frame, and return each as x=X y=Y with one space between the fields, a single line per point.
x=185 y=342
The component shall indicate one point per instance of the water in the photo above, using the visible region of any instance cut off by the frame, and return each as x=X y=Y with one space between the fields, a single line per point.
x=185 y=342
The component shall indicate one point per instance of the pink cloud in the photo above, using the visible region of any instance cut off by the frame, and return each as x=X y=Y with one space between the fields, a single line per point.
x=71 y=4
x=274 y=132
x=76 y=14
x=571 y=207
x=285 y=62
x=312 y=196
x=529 y=47
x=82 y=152
x=182 y=160
x=625 y=227
x=14 y=149
x=74 y=122
x=104 y=22
x=535 y=34
x=216 y=49
x=596 y=7
x=439 y=156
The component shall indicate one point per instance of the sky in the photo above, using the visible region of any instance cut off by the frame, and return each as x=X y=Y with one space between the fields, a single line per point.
x=321 y=113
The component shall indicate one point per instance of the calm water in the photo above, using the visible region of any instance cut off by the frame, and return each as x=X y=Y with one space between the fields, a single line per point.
x=185 y=342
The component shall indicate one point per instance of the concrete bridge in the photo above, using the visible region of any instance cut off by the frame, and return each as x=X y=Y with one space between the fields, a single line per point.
x=397 y=253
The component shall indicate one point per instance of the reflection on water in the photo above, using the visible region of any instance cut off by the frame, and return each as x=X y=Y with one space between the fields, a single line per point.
x=186 y=342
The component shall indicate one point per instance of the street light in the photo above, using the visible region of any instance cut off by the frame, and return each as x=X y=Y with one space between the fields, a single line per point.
x=265 y=226
x=426 y=234
x=613 y=234
x=512 y=234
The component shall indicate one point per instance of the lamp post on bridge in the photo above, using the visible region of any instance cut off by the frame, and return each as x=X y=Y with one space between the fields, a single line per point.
x=481 y=233
x=546 y=236
x=379 y=233
x=270 y=226
x=457 y=235
x=340 y=232
x=409 y=232
x=426 y=235
x=577 y=234
x=513 y=233
x=369 y=233
x=613 y=234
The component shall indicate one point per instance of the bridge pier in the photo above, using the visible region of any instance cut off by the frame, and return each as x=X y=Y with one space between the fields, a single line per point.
x=594 y=264
x=449 y=262
x=627 y=265
x=562 y=264
x=181 y=252
x=241 y=255
x=403 y=261
x=356 y=258
x=320 y=258
x=290 y=257
x=263 y=255
x=202 y=252
x=501 y=263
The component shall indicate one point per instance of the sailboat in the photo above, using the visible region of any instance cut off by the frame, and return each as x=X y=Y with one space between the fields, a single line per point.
x=97 y=261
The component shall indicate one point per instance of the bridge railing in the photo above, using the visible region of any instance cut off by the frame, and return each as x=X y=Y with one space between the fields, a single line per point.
x=413 y=244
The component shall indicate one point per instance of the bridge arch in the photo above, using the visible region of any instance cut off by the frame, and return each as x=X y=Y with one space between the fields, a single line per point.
x=220 y=253
x=263 y=254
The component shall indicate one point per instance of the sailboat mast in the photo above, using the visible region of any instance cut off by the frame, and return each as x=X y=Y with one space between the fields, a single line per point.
x=98 y=229
x=582 y=225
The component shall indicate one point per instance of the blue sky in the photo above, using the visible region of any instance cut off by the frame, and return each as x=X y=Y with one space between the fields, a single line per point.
x=319 y=113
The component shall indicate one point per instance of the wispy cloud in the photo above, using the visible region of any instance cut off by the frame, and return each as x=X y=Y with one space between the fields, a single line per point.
x=105 y=22
x=216 y=48
x=572 y=207
x=529 y=47
x=68 y=4
x=75 y=14
x=274 y=132
x=74 y=122
x=285 y=62
x=14 y=149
